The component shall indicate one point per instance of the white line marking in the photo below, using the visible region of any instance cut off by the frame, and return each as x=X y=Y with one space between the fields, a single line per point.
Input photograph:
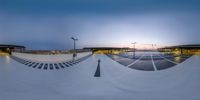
x=121 y=59
x=154 y=66
x=168 y=60
x=135 y=61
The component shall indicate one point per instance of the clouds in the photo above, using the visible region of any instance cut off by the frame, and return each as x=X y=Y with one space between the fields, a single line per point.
x=50 y=24
x=96 y=6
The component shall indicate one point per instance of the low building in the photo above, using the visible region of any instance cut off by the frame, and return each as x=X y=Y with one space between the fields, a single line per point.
x=183 y=49
x=107 y=50
x=11 y=48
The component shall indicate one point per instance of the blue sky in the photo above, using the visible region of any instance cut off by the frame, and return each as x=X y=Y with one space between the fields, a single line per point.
x=49 y=24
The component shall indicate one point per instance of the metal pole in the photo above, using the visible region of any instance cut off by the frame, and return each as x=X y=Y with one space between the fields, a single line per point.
x=74 y=53
x=74 y=45
x=133 y=49
x=155 y=47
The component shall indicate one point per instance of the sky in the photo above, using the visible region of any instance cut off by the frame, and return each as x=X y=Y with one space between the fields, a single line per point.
x=50 y=24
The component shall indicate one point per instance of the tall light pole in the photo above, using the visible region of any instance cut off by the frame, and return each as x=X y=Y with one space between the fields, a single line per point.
x=74 y=39
x=153 y=46
x=133 y=49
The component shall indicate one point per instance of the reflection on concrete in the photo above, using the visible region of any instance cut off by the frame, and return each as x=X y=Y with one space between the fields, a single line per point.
x=7 y=59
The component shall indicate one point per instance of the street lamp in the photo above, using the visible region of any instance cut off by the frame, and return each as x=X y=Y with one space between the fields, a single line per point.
x=134 y=49
x=74 y=39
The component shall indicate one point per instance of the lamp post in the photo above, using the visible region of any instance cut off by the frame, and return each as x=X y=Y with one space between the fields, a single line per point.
x=151 y=46
x=74 y=39
x=134 y=49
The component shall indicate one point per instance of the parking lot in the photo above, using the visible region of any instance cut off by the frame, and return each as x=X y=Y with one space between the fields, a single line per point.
x=149 y=61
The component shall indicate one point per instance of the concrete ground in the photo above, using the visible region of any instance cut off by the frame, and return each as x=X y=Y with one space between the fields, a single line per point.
x=117 y=82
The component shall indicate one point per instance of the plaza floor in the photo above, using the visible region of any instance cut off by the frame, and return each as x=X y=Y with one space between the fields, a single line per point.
x=117 y=82
x=149 y=61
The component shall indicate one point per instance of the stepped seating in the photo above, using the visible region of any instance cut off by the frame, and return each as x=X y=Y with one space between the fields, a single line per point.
x=49 y=66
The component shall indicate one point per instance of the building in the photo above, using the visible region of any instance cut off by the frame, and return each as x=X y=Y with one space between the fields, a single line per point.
x=183 y=49
x=11 y=48
x=107 y=50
